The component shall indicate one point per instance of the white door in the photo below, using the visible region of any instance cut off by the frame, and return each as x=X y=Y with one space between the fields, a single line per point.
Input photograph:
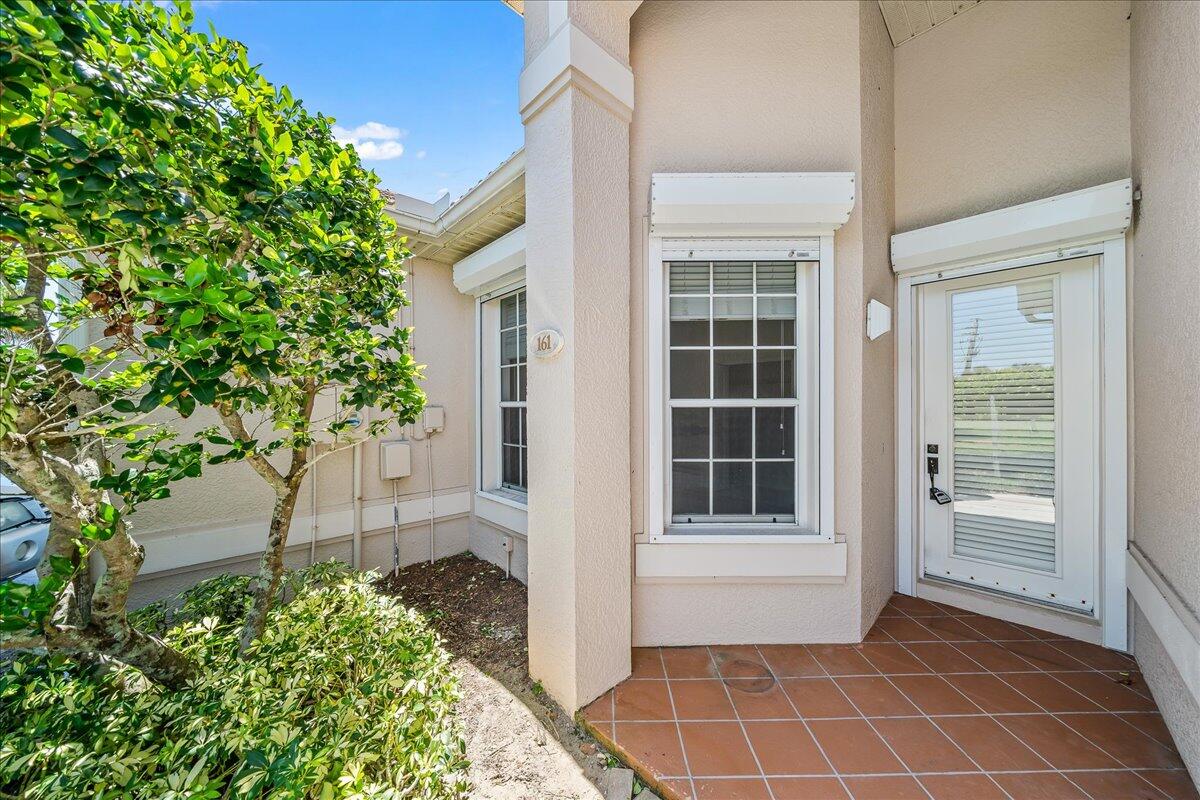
x=1010 y=404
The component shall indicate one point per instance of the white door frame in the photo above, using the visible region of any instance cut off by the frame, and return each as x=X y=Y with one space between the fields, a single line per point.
x=1113 y=419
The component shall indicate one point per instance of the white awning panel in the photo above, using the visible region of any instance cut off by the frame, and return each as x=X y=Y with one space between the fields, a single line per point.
x=491 y=263
x=760 y=204
x=1082 y=217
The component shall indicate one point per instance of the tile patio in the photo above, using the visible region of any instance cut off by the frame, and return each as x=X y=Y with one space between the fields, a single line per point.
x=937 y=703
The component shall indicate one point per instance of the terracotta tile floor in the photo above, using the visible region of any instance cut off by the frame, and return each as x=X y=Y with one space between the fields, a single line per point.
x=936 y=703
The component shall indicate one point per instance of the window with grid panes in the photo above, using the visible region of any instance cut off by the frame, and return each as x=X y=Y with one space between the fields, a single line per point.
x=514 y=448
x=741 y=375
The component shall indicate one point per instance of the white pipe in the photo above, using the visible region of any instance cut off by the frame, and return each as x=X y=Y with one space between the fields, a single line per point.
x=395 y=532
x=429 y=465
x=312 y=487
x=356 y=482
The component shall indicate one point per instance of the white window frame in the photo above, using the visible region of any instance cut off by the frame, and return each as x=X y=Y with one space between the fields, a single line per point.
x=657 y=528
x=491 y=450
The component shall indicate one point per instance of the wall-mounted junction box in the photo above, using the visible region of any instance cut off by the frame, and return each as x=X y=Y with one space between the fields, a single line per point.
x=395 y=460
x=434 y=419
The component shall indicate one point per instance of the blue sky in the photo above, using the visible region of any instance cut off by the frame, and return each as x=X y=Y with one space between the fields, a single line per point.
x=427 y=90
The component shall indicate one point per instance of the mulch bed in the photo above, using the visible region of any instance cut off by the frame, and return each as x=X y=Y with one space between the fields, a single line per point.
x=481 y=614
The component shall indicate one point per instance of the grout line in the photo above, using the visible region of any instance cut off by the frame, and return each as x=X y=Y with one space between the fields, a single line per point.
x=886 y=743
x=749 y=744
x=918 y=715
x=808 y=728
x=678 y=731
x=1059 y=673
x=1010 y=733
x=938 y=728
x=914 y=774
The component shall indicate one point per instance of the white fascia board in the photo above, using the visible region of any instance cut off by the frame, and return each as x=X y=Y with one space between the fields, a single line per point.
x=572 y=58
x=491 y=263
x=1093 y=214
x=436 y=221
x=750 y=203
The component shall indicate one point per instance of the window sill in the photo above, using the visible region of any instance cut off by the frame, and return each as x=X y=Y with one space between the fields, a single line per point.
x=504 y=509
x=735 y=559
x=738 y=534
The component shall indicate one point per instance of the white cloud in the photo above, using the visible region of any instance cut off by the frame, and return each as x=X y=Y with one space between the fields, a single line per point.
x=374 y=141
x=378 y=151
x=421 y=154
x=369 y=130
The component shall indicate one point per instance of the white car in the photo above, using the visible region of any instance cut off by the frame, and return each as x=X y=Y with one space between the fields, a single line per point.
x=24 y=527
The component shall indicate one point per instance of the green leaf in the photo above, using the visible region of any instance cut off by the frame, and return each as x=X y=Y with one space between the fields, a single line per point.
x=196 y=272
x=191 y=317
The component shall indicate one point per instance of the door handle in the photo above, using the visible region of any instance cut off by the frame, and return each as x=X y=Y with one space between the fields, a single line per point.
x=931 y=466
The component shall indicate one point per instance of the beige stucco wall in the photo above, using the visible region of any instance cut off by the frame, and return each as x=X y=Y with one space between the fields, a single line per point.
x=1164 y=256
x=232 y=496
x=780 y=93
x=877 y=186
x=1010 y=102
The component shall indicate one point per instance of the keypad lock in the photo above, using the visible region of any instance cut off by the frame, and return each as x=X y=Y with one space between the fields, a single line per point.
x=931 y=466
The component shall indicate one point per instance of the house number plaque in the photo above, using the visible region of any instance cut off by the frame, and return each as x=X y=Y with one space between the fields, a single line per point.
x=546 y=343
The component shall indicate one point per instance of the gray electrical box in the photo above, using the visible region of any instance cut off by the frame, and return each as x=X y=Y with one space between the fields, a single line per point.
x=395 y=460
x=434 y=419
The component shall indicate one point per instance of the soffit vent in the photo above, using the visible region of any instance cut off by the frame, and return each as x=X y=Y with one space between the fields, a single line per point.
x=907 y=19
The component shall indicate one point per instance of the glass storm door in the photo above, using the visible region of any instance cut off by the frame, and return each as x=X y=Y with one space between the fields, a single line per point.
x=1009 y=407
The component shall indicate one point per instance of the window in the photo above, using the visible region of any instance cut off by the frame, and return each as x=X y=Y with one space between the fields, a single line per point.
x=741 y=394
x=504 y=462
x=514 y=444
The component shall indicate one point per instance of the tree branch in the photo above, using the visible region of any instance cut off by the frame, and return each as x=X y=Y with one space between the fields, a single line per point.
x=237 y=429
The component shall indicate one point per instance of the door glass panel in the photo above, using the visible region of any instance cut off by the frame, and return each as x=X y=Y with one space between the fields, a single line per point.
x=1003 y=340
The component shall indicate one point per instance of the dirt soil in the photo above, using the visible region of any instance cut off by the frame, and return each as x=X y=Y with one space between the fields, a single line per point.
x=520 y=743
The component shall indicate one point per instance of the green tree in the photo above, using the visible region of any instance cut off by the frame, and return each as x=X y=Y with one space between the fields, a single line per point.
x=175 y=232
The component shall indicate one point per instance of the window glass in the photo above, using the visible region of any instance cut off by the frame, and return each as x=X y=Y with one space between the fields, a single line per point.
x=741 y=370
x=733 y=321
x=689 y=433
x=514 y=449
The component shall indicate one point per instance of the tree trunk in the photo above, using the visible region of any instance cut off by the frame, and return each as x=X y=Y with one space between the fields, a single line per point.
x=157 y=660
x=265 y=585
x=96 y=622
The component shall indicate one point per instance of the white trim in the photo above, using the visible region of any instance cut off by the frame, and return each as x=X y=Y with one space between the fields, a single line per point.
x=495 y=262
x=505 y=512
x=1094 y=214
x=826 y=397
x=739 y=561
x=906 y=445
x=1114 y=457
x=656 y=405
x=168 y=550
x=510 y=283
x=764 y=204
x=807 y=249
x=1168 y=617
x=1114 y=422
x=572 y=58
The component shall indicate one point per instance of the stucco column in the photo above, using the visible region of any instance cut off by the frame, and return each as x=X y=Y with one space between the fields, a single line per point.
x=576 y=96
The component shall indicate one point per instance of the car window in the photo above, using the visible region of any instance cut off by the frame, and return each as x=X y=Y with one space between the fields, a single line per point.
x=12 y=514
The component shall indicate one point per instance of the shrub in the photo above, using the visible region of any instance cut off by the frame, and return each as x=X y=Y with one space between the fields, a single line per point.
x=348 y=694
